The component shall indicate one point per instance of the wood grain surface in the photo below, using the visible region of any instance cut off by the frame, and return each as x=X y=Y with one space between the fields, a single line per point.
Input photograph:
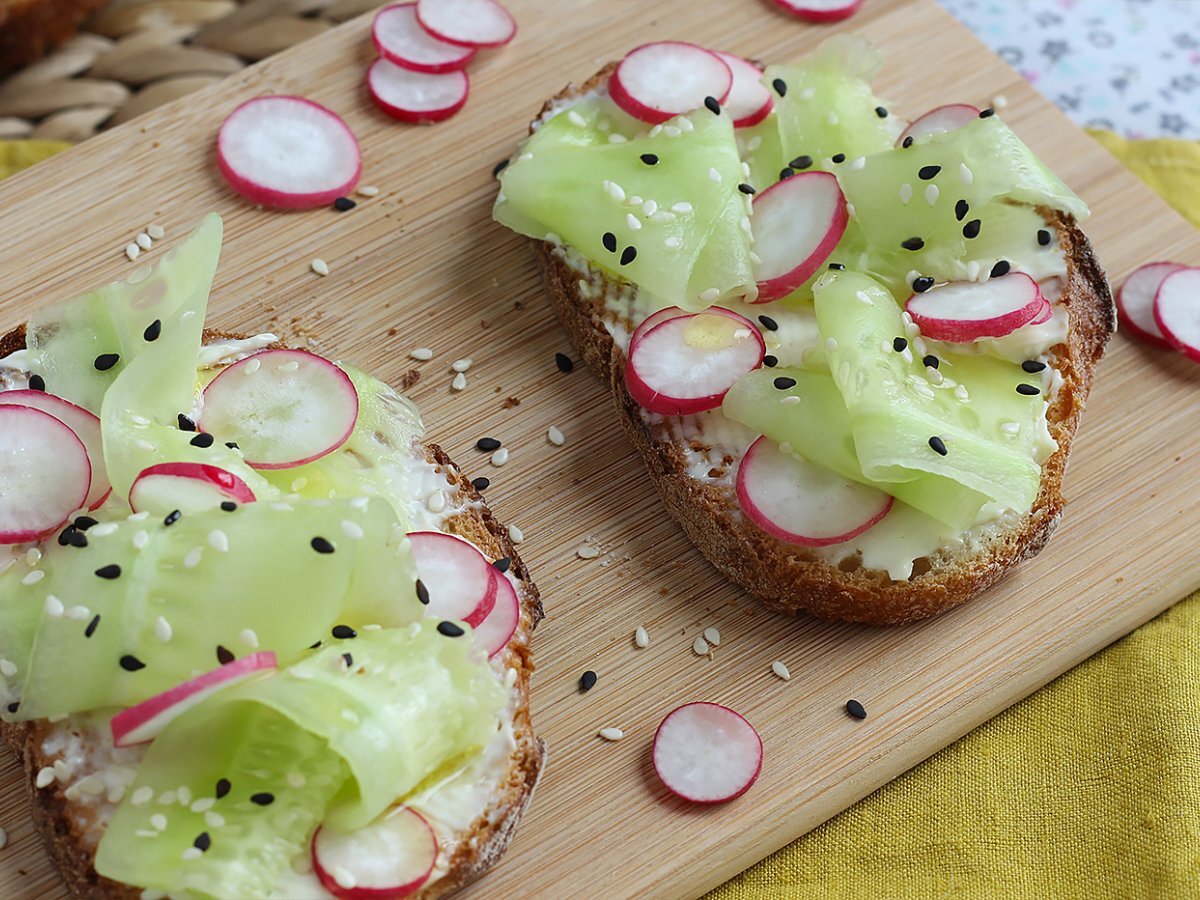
x=422 y=264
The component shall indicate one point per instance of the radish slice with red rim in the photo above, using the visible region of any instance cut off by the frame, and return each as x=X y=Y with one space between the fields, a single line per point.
x=950 y=117
x=469 y=23
x=1177 y=311
x=1044 y=315
x=283 y=408
x=820 y=11
x=964 y=311
x=796 y=223
x=86 y=427
x=688 y=363
x=401 y=39
x=657 y=318
x=45 y=474
x=392 y=857
x=188 y=487
x=749 y=101
x=288 y=152
x=416 y=97
x=497 y=629
x=143 y=722
x=802 y=503
x=1135 y=301
x=657 y=81
x=707 y=753
x=454 y=576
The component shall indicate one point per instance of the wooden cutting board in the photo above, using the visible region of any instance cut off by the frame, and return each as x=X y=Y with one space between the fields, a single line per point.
x=422 y=264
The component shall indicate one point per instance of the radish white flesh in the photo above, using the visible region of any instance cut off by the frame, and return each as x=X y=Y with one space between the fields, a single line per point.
x=469 y=23
x=655 y=319
x=44 y=473
x=944 y=118
x=86 y=427
x=143 y=722
x=796 y=222
x=1135 y=301
x=820 y=11
x=688 y=363
x=749 y=101
x=707 y=753
x=416 y=97
x=1177 y=311
x=457 y=578
x=401 y=39
x=802 y=503
x=657 y=81
x=288 y=152
x=283 y=408
x=495 y=631
x=188 y=487
x=391 y=857
x=965 y=311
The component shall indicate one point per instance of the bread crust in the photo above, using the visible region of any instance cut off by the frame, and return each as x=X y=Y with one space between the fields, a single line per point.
x=31 y=28
x=784 y=577
x=67 y=828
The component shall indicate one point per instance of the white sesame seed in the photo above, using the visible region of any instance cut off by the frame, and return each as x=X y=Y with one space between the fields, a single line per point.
x=673 y=243
x=555 y=436
x=712 y=635
x=747 y=227
x=633 y=200
x=617 y=138
x=78 y=613
x=142 y=796
x=214 y=819
x=515 y=534
x=754 y=143
x=500 y=457
x=662 y=217
x=961 y=392
x=999 y=101
x=918 y=344
x=249 y=638
x=790 y=400
x=290 y=366
x=700 y=647
x=672 y=130
x=140 y=421
x=632 y=221
x=584 y=551
x=965 y=175
x=611 y=734
x=219 y=541
x=510 y=677
x=851 y=211
x=8 y=668
x=925 y=391
x=33 y=577
x=436 y=502
x=933 y=375
x=831 y=345
x=649 y=207
x=352 y=530
x=192 y=853
x=320 y=266
x=103 y=530
x=576 y=119
x=640 y=637
x=156 y=231
x=906 y=354
x=144 y=445
x=250 y=366
x=143 y=241
x=864 y=298
x=184 y=795
x=973 y=270
x=421 y=353
x=461 y=365
x=755 y=258
x=45 y=777
x=1006 y=427
x=709 y=295
x=193 y=558
x=132 y=251
x=912 y=329
x=166 y=798
x=905 y=193
x=204 y=804
x=714 y=175
x=459 y=382
x=858 y=163
x=781 y=670
x=54 y=606
x=615 y=190
x=345 y=879
x=140 y=540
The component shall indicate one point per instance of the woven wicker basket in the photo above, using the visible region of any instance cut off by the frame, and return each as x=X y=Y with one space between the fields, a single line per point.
x=133 y=55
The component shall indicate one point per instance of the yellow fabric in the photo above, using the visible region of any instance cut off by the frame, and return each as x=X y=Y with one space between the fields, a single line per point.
x=1088 y=788
x=18 y=155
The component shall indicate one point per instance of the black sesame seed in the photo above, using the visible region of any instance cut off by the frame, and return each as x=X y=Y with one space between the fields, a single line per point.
x=65 y=536
x=925 y=173
x=783 y=383
x=649 y=159
x=344 y=204
x=223 y=787
x=91 y=628
x=343 y=632
x=922 y=283
x=881 y=111
x=856 y=709
x=13 y=707
x=224 y=655
x=348 y=659
x=780 y=87
x=931 y=361
x=801 y=162
x=186 y=424
x=422 y=592
x=971 y=229
x=232 y=445
x=938 y=445
x=131 y=663
x=202 y=440
x=482 y=483
x=321 y=545
x=712 y=105
x=502 y=564
x=564 y=363
x=907 y=142
x=77 y=539
x=83 y=523
x=1028 y=390
x=487 y=444
x=37 y=383
x=106 y=361
x=836 y=267
x=153 y=331
x=770 y=361
x=202 y=842
x=609 y=240
x=1043 y=238
x=899 y=344
x=315 y=645
x=961 y=208
x=110 y=571
x=262 y=798
x=1000 y=269
x=628 y=255
x=449 y=629
x=838 y=158
x=987 y=113
x=746 y=188
x=1033 y=366
x=912 y=243
x=786 y=172
x=228 y=506
x=172 y=517
x=769 y=323
x=587 y=681
x=499 y=167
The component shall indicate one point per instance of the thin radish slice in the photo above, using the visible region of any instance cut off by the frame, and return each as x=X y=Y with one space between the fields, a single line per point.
x=820 y=11
x=657 y=81
x=456 y=579
x=1177 y=311
x=688 y=363
x=655 y=319
x=283 y=408
x=801 y=503
x=401 y=39
x=288 y=152
x=707 y=753
x=944 y=118
x=1135 y=301
x=495 y=631
x=44 y=473
x=796 y=223
x=966 y=311
x=86 y=427
x=416 y=97
x=142 y=723
x=749 y=101
x=1044 y=315
x=468 y=23
x=392 y=857
x=188 y=487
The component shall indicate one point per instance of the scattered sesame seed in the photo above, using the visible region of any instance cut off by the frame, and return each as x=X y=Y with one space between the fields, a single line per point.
x=961 y=208
x=801 y=162
x=1043 y=237
x=964 y=174
x=864 y=298
x=611 y=734
x=587 y=681
x=192 y=559
x=321 y=545
x=37 y=383
x=449 y=629
x=564 y=363
x=422 y=354
x=92 y=626
x=912 y=243
x=219 y=541
x=617 y=138
x=712 y=635
x=143 y=240
x=369 y=190
x=931 y=194
x=461 y=365
x=142 y=796
x=649 y=208
x=907 y=142
x=320 y=266
x=747 y=189
x=106 y=361
x=459 y=382
x=555 y=436
x=500 y=457
x=632 y=221
x=224 y=655
x=109 y=572
x=856 y=709
x=683 y=208
x=482 y=483
x=922 y=284
x=831 y=345
x=649 y=159
x=781 y=670
x=783 y=383
x=905 y=193
x=628 y=255
x=436 y=502
x=53 y=607
x=1028 y=390
x=249 y=637
x=33 y=577
x=502 y=564
x=712 y=105
x=45 y=777
x=587 y=551
x=938 y=445
x=1010 y=427
x=700 y=647
x=515 y=534
x=931 y=361
x=8 y=668
x=640 y=637
x=714 y=175
x=202 y=440
x=157 y=232
x=1000 y=269
x=132 y=251
x=961 y=392
x=780 y=87
x=131 y=663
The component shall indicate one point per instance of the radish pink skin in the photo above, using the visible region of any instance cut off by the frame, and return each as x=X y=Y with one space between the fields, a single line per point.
x=655 y=319
x=763 y=111
x=507 y=608
x=819 y=16
x=753 y=513
x=419 y=117
x=782 y=285
x=427 y=68
x=1127 y=321
x=20 y=537
x=225 y=482
x=401 y=890
x=648 y=114
x=1187 y=350
x=749 y=782
x=968 y=112
x=460 y=43
x=1044 y=315
x=257 y=193
x=964 y=330
x=488 y=601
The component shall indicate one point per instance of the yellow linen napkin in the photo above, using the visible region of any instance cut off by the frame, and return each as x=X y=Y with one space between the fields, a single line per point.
x=18 y=155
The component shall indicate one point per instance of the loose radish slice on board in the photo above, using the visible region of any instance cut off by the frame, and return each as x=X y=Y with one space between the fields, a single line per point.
x=820 y=10
x=749 y=101
x=1177 y=311
x=44 y=473
x=400 y=39
x=283 y=408
x=967 y=310
x=457 y=579
x=944 y=118
x=188 y=487
x=796 y=222
x=1135 y=301
x=657 y=81
x=469 y=23
x=802 y=503
x=86 y=427
x=416 y=97
x=143 y=722
x=392 y=857
x=707 y=753
x=687 y=363
x=495 y=631
x=288 y=152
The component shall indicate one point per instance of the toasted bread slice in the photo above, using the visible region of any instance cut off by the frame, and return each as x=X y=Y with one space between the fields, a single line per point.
x=787 y=578
x=71 y=822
